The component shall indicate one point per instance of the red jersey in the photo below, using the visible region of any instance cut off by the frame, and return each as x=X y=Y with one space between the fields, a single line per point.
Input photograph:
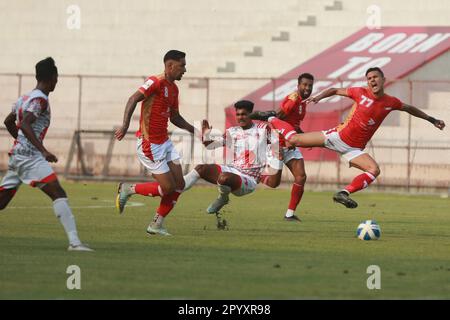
x=161 y=101
x=294 y=109
x=366 y=116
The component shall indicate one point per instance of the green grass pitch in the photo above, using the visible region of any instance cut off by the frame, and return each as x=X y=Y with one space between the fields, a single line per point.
x=259 y=257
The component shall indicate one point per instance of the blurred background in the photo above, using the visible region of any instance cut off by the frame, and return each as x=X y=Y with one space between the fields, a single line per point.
x=105 y=49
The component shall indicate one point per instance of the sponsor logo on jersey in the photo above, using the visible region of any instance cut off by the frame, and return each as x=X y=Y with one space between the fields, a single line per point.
x=147 y=84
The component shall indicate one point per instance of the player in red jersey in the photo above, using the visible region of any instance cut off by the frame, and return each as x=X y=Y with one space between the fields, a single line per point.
x=293 y=111
x=159 y=96
x=349 y=139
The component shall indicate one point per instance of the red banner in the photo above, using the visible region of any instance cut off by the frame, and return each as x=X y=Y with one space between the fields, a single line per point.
x=397 y=50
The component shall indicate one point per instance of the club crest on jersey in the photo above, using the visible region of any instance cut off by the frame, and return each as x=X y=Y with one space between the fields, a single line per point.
x=166 y=92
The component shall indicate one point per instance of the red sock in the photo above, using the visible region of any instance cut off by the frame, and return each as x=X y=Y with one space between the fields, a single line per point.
x=151 y=189
x=296 y=196
x=360 y=182
x=167 y=203
x=284 y=128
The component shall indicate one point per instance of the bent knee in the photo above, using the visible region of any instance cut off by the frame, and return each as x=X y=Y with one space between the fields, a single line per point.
x=180 y=185
x=223 y=179
x=276 y=184
x=300 y=179
x=200 y=169
x=168 y=189
x=272 y=184
x=375 y=171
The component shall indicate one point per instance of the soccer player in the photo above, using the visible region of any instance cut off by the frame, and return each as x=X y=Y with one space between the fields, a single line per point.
x=159 y=96
x=29 y=160
x=293 y=111
x=349 y=139
x=248 y=143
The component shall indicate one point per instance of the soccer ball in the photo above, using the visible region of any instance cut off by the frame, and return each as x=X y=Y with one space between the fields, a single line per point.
x=368 y=230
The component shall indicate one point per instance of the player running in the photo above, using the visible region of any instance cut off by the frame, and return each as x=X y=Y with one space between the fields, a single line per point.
x=349 y=139
x=159 y=96
x=293 y=111
x=248 y=143
x=28 y=123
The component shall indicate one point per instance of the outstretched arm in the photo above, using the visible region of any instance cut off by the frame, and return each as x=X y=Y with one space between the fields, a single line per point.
x=207 y=141
x=129 y=109
x=178 y=120
x=282 y=116
x=328 y=93
x=416 y=112
x=10 y=123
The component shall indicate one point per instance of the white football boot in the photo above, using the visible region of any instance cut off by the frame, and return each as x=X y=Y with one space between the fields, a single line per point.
x=79 y=247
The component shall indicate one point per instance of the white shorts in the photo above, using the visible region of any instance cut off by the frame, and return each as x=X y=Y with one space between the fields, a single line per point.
x=288 y=155
x=248 y=184
x=333 y=142
x=34 y=171
x=155 y=156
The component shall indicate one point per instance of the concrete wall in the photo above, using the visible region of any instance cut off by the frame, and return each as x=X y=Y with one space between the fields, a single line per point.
x=129 y=38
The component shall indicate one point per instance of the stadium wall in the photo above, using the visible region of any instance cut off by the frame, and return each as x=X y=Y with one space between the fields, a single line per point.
x=118 y=43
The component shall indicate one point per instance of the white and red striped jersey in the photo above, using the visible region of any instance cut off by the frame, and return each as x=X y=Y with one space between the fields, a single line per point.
x=247 y=149
x=37 y=103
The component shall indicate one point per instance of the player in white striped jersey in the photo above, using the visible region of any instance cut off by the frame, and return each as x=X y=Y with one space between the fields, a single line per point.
x=29 y=160
x=246 y=157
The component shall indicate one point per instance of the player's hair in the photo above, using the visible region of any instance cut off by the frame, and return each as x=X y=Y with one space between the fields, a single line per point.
x=244 y=104
x=174 y=55
x=375 y=69
x=305 y=76
x=46 y=69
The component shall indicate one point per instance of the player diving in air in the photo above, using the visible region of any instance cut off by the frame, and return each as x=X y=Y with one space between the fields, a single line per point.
x=349 y=139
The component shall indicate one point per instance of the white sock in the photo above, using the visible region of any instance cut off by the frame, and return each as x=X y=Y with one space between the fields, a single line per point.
x=289 y=213
x=224 y=190
x=158 y=220
x=190 y=179
x=65 y=216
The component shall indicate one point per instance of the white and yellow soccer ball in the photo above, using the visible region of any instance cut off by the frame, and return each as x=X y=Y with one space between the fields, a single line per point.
x=368 y=230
